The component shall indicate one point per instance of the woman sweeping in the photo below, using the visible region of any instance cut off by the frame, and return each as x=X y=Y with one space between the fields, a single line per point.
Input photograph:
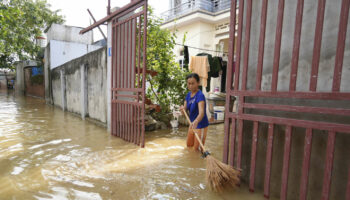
x=196 y=105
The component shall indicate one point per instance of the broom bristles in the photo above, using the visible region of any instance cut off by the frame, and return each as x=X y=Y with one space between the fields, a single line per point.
x=220 y=176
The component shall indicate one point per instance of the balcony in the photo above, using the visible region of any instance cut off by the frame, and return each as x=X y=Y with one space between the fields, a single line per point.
x=211 y=6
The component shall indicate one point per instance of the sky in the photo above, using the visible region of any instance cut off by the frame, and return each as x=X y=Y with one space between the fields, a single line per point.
x=75 y=11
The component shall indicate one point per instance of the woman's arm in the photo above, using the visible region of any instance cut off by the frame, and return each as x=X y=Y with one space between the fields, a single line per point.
x=184 y=107
x=200 y=114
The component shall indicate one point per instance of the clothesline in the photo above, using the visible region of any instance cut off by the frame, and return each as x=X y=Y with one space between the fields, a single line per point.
x=201 y=48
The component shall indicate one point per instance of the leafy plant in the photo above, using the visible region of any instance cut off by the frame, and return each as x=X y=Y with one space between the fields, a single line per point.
x=21 y=22
x=168 y=87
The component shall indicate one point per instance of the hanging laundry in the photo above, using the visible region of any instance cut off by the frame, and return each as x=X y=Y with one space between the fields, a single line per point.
x=223 y=79
x=186 y=57
x=200 y=65
x=210 y=59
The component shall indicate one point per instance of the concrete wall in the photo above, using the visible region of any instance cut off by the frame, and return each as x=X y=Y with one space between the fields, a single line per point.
x=79 y=86
x=20 y=81
x=68 y=34
x=325 y=77
x=3 y=82
x=19 y=85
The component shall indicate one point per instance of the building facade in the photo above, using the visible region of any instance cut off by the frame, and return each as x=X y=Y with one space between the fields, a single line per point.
x=203 y=23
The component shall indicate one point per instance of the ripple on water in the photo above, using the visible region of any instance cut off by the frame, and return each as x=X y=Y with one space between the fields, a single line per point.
x=17 y=170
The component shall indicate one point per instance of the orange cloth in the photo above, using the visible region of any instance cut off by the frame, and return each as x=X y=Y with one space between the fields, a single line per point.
x=200 y=66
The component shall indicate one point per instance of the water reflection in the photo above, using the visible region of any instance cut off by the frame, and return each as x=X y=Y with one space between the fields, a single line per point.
x=48 y=154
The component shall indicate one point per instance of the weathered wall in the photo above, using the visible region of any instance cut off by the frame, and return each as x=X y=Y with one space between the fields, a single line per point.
x=3 y=82
x=96 y=82
x=56 y=88
x=20 y=85
x=324 y=84
x=79 y=86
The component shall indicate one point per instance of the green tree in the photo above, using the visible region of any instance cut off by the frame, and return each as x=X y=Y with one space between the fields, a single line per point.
x=168 y=88
x=21 y=22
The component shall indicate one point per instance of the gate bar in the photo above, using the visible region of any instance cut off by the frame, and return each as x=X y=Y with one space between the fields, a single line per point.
x=328 y=165
x=253 y=156
x=233 y=142
x=247 y=44
x=119 y=62
x=344 y=128
x=295 y=95
x=348 y=186
x=138 y=81
x=261 y=45
x=118 y=122
x=268 y=161
x=239 y=44
x=304 y=109
x=339 y=58
x=276 y=60
x=139 y=55
x=296 y=45
x=286 y=160
x=317 y=44
x=144 y=70
x=240 y=141
x=124 y=10
x=227 y=137
x=128 y=73
x=113 y=127
x=306 y=165
x=129 y=121
x=229 y=79
x=134 y=28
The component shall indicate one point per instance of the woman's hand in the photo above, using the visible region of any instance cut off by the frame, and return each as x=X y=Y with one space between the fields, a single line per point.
x=194 y=124
x=182 y=109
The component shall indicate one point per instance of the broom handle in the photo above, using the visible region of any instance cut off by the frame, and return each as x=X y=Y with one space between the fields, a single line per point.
x=199 y=140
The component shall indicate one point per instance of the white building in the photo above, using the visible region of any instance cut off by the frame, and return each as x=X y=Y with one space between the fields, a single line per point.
x=205 y=24
x=64 y=43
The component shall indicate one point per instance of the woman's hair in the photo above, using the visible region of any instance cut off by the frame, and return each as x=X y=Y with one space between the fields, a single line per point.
x=193 y=75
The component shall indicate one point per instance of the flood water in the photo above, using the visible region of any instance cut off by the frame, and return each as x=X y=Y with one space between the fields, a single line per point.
x=46 y=153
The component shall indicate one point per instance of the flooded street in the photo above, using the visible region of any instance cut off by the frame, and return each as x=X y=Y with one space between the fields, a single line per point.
x=46 y=153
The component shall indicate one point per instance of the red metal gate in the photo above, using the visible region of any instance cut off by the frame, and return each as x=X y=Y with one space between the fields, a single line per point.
x=234 y=121
x=129 y=36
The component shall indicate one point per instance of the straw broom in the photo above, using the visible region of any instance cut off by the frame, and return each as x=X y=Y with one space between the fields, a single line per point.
x=218 y=174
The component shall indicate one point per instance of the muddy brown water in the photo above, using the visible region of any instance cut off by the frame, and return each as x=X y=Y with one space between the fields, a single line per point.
x=46 y=153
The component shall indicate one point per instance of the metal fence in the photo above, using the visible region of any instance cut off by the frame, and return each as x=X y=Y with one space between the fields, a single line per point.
x=234 y=121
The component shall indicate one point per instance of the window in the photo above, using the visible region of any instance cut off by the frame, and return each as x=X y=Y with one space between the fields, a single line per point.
x=215 y=3
x=191 y=3
x=181 y=63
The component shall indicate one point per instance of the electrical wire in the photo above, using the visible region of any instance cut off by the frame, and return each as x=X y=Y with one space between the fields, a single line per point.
x=201 y=48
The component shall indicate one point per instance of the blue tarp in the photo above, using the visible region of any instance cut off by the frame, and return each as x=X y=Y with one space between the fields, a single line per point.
x=37 y=71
